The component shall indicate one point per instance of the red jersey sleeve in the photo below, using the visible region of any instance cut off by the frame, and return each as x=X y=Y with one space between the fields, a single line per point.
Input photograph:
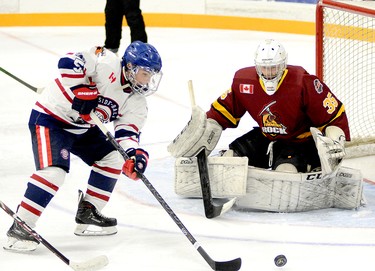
x=229 y=108
x=322 y=106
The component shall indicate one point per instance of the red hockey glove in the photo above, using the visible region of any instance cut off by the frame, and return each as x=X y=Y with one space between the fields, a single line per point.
x=85 y=100
x=136 y=163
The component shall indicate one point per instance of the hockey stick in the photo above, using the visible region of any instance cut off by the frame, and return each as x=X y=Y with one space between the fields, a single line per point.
x=35 y=89
x=232 y=265
x=90 y=265
x=211 y=210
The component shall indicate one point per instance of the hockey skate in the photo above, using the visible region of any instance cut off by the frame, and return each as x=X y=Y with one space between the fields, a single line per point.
x=19 y=240
x=90 y=222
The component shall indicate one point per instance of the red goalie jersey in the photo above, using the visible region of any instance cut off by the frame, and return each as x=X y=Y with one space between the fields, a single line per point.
x=300 y=102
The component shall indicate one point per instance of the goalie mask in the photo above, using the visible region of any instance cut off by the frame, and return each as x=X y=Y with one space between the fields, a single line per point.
x=270 y=64
x=141 y=65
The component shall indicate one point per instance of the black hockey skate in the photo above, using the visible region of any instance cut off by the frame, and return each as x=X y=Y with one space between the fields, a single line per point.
x=20 y=240
x=89 y=216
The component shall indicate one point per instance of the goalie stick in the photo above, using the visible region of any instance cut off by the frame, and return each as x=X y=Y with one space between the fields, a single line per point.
x=232 y=265
x=211 y=209
x=89 y=265
x=35 y=89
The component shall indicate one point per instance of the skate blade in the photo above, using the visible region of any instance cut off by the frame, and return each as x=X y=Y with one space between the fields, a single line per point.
x=16 y=245
x=92 y=230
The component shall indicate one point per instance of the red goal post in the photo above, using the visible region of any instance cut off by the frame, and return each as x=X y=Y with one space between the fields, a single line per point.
x=345 y=61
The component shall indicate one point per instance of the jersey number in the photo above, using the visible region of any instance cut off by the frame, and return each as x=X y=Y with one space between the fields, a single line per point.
x=330 y=103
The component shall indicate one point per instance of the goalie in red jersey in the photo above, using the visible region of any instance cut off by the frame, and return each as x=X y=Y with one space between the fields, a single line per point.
x=291 y=108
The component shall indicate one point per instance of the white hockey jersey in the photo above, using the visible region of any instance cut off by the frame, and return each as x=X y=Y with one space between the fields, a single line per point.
x=117 y=102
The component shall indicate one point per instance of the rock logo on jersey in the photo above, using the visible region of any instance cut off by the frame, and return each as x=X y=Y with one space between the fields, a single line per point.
x=271 y=122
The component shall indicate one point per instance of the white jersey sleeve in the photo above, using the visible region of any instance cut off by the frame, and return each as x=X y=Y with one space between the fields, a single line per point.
x=78 y=68
x=129 y=125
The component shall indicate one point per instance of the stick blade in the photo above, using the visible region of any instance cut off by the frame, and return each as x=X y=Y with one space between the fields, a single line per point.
x=228 y=205
x=217 y=210
x=232 y=265
x=90 y=265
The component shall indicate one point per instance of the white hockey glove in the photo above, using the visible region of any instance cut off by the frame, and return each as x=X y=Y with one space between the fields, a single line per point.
x=330 y=148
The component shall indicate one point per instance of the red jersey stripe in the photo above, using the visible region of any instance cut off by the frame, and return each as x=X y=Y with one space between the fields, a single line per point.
x=63 y=90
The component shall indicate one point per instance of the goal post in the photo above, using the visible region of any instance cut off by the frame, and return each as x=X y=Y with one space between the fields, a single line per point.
x=345 y=61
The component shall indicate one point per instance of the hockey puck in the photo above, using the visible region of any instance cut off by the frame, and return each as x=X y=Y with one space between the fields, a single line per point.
x=280 y=260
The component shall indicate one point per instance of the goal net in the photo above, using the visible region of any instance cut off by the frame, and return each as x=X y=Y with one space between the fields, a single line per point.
x=345 y=61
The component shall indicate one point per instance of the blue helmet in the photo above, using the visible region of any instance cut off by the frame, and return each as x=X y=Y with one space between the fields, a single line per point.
x=141 y=66
x=142 y=54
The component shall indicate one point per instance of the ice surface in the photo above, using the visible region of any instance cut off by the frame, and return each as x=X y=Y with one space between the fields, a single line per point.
x=148 y=239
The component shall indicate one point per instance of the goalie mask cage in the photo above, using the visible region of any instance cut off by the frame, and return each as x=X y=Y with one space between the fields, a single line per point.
x=345 y=61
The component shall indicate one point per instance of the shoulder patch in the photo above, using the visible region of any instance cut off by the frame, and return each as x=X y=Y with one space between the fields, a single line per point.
x=318 y=86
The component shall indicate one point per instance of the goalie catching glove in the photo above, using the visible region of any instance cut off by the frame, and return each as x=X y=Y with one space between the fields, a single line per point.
x=330 y=147
x=85 y=100
x=137 y=163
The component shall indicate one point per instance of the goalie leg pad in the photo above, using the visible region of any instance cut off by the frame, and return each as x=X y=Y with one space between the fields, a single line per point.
x=349 y=189
x=298 y=192
x=227 y=177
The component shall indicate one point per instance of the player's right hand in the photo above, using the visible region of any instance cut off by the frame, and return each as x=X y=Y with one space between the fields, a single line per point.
x=85 y=100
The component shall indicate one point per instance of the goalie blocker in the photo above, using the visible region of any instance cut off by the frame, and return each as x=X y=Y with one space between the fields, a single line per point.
x=262 y=189
x=199 y=133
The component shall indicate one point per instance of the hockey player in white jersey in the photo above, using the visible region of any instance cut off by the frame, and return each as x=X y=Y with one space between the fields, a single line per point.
x=60 y=125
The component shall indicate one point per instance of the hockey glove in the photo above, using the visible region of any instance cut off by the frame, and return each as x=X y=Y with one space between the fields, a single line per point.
x=136 y=163
x=85 y=100
x=330 y=148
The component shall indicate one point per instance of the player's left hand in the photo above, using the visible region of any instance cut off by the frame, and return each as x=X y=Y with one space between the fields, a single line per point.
x=137 y=163
x=85 y=100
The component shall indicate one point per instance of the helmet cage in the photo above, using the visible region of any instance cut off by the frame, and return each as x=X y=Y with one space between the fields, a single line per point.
x=143 y=80
x=271 y=73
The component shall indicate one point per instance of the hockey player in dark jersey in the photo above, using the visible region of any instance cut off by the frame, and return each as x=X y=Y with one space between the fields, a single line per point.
x=291 y=108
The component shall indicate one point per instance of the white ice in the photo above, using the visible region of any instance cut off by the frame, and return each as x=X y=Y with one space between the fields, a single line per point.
x=148 y=239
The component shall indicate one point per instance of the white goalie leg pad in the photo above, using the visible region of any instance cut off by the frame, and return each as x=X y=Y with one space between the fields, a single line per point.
x=198 y=133
x=297 y=192
x=227 y=175
x=349 y=189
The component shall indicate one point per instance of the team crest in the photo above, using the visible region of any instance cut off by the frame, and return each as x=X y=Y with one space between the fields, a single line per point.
x=64 y=154
x=271 y=122
x=107 y=110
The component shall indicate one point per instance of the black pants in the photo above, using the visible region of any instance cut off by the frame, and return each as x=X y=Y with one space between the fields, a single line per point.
x=115 y=10
x=254 y=145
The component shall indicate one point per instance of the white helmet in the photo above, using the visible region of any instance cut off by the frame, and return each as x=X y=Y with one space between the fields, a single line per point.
x=270 y=63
